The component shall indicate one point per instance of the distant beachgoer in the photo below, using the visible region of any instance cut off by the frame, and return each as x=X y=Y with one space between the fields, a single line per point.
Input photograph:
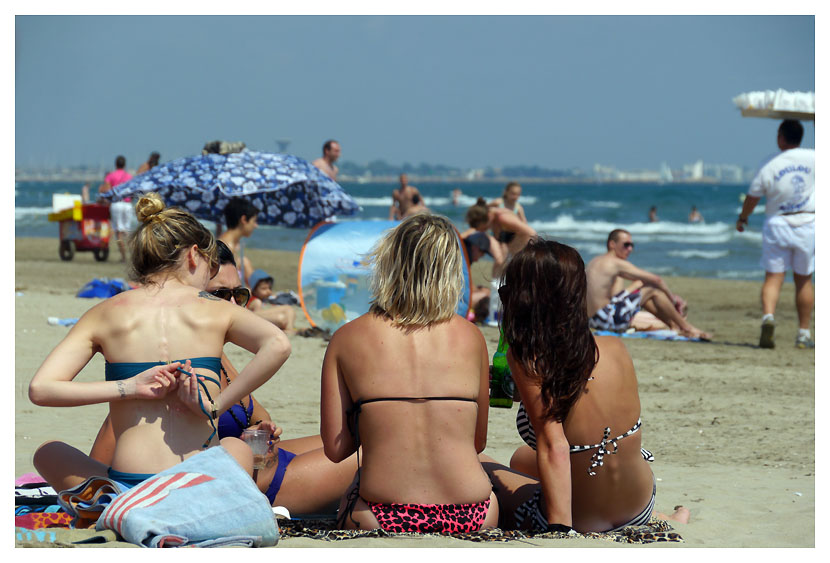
x=652 y=214
x=331 y=152
x=261 y=290
x=510 y=200
x=241 y=222
x=695 y=216
x=416 y=207
x=402 y=199
x=160 y=416
x=611 y=306
x=85 y=193
x=511 y=232
x=477 y=244
x=789 y=239
x=406 y=385
x=579 y=405
x=121 y=212
x=456 y=196
x=152 y=162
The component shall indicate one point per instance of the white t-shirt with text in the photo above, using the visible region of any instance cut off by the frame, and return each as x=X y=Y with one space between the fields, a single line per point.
x=788 y=183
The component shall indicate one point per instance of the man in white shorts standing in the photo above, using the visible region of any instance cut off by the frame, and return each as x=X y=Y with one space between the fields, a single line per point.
x=121 y=212
x=789 y=240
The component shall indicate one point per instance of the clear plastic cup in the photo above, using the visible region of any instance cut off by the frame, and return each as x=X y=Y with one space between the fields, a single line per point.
x=257 y=440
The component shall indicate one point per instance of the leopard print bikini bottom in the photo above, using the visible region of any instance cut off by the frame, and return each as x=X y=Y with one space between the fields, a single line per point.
x=430 y=518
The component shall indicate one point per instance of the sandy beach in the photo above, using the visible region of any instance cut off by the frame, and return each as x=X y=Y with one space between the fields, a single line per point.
x=732 y=427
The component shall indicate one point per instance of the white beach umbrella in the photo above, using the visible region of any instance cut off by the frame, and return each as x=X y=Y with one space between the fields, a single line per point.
x=777 y=104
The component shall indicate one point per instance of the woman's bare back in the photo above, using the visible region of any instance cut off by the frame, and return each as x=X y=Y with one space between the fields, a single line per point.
x=147 y=325
x=611 y=400
x=417 y=451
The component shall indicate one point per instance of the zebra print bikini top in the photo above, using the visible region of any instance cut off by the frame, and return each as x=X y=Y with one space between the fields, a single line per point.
x=606 y=446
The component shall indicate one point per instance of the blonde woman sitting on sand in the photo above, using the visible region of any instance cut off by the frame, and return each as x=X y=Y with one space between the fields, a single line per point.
x=580 y=410
x=160 y=414
x=297 y=474
x=408 y=383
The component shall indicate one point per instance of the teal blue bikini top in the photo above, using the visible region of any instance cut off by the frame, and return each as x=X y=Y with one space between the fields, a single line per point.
x=125 y=370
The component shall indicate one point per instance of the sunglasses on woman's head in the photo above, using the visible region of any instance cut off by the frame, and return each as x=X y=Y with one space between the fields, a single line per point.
x=240 y=294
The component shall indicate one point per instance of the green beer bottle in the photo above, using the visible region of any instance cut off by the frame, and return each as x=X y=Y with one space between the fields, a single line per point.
x=501 y=382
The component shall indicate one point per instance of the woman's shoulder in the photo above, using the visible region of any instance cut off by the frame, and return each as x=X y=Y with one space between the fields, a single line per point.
x=460 y=330
x=613 y=355
x=359 y=328
x=611 y=345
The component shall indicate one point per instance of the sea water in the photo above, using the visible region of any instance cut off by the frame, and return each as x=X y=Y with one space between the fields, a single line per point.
x=580 y=215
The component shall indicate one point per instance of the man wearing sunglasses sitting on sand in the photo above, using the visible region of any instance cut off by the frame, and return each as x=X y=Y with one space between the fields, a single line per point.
x=611 y=306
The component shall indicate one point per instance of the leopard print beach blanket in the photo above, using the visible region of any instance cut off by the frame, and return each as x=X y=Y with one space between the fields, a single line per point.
x=654 y=531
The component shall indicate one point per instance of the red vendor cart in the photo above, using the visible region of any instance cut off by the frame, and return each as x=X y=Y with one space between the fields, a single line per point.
x=84 y=227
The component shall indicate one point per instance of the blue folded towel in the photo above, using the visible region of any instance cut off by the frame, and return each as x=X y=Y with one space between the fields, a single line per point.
x=649 y=334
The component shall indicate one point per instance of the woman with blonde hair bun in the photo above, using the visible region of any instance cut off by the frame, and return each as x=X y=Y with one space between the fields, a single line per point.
x=162 y=344
x=407 y=383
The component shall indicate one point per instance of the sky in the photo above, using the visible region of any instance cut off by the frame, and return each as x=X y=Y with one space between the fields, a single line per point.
x=466 y=91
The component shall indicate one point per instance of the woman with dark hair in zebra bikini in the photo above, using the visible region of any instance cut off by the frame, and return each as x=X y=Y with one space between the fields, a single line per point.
x=580 y=410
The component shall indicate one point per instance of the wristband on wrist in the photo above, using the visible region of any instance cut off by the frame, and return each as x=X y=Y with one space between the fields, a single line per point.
x=742 y=219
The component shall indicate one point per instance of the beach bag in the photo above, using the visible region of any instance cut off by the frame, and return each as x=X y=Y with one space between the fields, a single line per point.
x=85 y=502
x=208 y=500
x=103 y=287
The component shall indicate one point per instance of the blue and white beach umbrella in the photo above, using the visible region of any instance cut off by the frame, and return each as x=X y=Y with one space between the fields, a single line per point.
x=288 y=190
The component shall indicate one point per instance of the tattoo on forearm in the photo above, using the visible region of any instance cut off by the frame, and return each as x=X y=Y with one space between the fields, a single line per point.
x=121 y=390
x=207 y=295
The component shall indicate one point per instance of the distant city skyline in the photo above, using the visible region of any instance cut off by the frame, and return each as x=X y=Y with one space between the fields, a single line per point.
x=559 y=92
x=384 y=172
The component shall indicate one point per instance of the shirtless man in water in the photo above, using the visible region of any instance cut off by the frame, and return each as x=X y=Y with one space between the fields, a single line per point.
x=331 y=152
x=612 y=307
x=402 y=199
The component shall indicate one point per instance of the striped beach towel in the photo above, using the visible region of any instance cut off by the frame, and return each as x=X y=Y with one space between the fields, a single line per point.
x=207 y=500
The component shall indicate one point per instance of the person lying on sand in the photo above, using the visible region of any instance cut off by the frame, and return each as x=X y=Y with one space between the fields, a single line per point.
x=297 y=474
x=612 y=307
x=579 y=406
x=407 y=383
x=162 y=342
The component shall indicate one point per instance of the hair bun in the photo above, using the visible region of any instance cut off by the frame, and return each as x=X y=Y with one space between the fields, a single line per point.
x=481 y=201
x=148 y=206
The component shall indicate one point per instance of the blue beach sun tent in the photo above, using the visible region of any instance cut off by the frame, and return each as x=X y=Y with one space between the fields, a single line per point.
x=333 y=273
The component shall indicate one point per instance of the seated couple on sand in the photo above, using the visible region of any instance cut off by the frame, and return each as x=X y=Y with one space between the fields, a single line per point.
x=646 y=304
